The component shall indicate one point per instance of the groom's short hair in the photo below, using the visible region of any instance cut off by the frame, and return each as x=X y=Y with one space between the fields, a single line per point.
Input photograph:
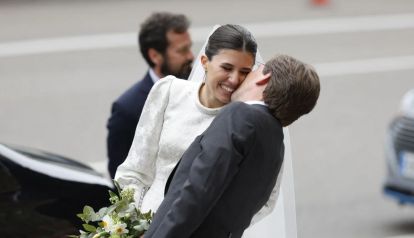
x=292 y=90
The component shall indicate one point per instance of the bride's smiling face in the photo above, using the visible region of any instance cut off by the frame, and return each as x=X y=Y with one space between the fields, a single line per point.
x=225 y=72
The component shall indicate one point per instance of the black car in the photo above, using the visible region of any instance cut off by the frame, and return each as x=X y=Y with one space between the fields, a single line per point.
x=41 y=193
x=399 y=183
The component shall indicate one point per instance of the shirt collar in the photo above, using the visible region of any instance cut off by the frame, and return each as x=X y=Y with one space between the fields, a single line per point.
x=153 y=76
x=256 y=102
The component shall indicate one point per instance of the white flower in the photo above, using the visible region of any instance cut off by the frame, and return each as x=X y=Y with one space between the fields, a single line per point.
x=143 y=225
x=127 y=211
x=119 y=228
x=108 y=223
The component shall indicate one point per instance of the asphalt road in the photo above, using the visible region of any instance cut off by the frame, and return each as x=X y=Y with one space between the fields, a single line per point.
x=60 y=100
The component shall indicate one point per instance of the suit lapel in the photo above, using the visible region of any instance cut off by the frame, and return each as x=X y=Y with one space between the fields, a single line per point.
x=167 y=185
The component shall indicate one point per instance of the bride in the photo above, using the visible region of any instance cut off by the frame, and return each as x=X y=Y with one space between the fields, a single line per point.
x=177 y=111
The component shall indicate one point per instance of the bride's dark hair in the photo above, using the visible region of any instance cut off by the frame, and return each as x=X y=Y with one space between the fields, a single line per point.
x=233 y=37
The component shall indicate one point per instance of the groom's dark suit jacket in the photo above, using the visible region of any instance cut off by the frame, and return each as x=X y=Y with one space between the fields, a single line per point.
x=224 y=177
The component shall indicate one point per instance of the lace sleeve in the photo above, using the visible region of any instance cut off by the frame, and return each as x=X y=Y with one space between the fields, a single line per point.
x=138 y=169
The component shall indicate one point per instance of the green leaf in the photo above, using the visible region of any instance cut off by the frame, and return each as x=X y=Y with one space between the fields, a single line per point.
x=89 y=228
x=118 y=188
x=82 y=217
x=115 y=236
x=148 y=215
x=113 y=197
x=89 y=214
x=88 y=210
x=112 y=194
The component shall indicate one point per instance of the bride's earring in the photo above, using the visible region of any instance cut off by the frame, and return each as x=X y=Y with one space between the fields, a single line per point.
x=205 y=76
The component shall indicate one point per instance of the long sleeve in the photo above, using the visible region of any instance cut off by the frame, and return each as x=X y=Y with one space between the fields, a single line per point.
x=222 y=148
x=138 y=169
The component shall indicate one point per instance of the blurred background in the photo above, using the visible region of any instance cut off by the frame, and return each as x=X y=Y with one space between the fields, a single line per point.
x=62 y=64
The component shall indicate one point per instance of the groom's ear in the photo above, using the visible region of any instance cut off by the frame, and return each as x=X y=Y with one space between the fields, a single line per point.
x=264 y=79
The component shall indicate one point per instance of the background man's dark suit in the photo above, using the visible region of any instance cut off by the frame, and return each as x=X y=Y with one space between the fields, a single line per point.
x=224 y=177
x=125 y=114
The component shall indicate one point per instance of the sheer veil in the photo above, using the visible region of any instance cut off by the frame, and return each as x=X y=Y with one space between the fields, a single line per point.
x=282 y=221
x=197 y=73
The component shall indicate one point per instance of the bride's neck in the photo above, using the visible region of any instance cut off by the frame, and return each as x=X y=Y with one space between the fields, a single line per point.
x=207 y=99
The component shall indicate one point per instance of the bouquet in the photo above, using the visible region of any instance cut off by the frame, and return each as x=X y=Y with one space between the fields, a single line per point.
x=120 y=220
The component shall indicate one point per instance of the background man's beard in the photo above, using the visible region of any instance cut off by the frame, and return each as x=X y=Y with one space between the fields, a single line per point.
x=183 y=72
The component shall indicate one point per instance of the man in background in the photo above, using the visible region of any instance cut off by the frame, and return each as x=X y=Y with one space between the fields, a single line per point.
x=165 y=44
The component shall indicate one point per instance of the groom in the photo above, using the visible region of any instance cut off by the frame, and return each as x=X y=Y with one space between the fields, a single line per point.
x=229 y=171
